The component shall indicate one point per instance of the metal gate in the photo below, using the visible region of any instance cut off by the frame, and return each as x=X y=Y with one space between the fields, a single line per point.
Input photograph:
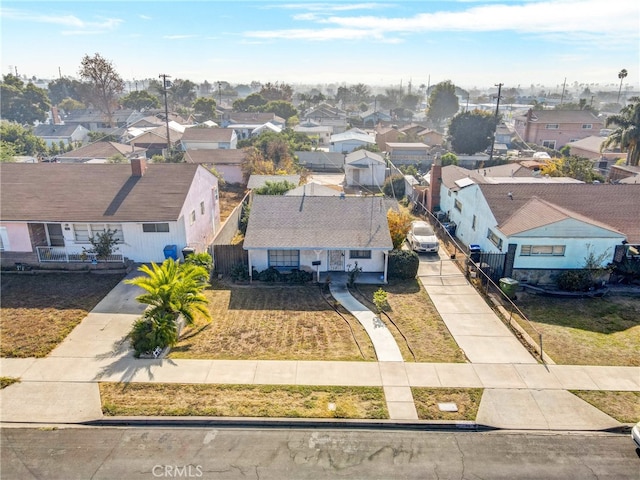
x=492 y=264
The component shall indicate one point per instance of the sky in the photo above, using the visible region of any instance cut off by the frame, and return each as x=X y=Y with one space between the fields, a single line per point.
x=473 y=43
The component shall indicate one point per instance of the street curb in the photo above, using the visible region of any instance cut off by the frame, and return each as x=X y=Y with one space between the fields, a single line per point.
x=238 y=422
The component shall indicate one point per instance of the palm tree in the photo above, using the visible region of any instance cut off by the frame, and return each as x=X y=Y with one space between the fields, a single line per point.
x=621 y=75
x=627 y=135
x=174 y=289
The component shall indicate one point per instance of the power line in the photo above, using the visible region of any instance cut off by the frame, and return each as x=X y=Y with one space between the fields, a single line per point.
x=493 y=137
x=164 y=77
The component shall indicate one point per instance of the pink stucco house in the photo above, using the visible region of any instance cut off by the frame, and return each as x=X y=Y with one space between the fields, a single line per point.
x=555 y=128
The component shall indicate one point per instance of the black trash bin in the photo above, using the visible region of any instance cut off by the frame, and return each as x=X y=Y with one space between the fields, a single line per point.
x=474 y=252
x=187 y=252
x=171 y=251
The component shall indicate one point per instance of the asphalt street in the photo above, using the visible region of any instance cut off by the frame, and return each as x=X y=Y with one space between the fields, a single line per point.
x=226 y=453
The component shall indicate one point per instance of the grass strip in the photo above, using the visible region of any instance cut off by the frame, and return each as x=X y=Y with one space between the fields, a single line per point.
x=466 y=399
x=623 y=406
x=282 y=401
x=6 y=381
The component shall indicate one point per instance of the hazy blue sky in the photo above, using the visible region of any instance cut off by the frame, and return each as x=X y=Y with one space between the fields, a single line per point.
x=471 y=42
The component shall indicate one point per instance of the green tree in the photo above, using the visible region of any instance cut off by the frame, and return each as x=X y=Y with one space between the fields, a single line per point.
x=443 y=102
x=281 y=108
x=449 y=158
x=573 y=167
x=140 y=100
x=204 y=109
x=627 y=134
x=7 y=152
x=394 y=186
x=21 y=140
x=277 y=91
x=24 y=104
x=69 y=104
x=117 y=158
x=102 y=137
x=63 y=88
x=249 y=104
x=275 y=188
x=173 y=289
x=182 y=93
x=471 y=132
x=104 y=84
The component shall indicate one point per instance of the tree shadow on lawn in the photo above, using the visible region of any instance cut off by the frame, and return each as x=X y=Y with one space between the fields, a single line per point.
x=605 y=315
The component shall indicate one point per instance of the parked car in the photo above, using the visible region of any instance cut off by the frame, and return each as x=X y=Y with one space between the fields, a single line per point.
x=635 y=434
x=422 y=238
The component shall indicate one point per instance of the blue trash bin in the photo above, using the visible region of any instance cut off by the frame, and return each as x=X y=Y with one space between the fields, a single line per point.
x=171 y=251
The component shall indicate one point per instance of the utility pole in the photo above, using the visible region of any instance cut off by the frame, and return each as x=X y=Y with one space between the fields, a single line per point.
x=59 y=73
x=166 y=108
x=563 y=87
x=493 y=138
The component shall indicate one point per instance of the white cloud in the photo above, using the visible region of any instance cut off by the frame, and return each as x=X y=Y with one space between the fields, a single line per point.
x=80 y=26
x=144 y=17
x=581 y=21
x=178 y=37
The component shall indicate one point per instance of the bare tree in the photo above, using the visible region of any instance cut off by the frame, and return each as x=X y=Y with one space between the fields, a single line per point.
x=104 y=83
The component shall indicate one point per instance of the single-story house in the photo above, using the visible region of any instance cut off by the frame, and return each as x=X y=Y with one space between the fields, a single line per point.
x=208 y=138
x=155 y=139
x=101 y=151
x=590 y=147
x=50 y=211
x=257 y=181
x=385 y=135
x=318 y=234
x=350 y=140
x=624 y=174
x=543 y=227
x=371 y=118
x=320 y=133
x=364 y=168
x=431 y=137
x=67 y=134
x=227 y=163
x=321 y=161
x=412 y=153
x=314 y=189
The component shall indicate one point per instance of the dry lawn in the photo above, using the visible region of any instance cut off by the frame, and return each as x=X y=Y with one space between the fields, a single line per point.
x=417 y=319
x=6 y=381
x=586 y=331
x=466 y=399
x=39 y=311
x=136 y=399
x=273 y=323
x=623 y=406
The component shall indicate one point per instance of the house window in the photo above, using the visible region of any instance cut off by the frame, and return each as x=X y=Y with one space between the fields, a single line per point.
x=587 y=126
x=201 y=208
x=83 y=232
x=360 y=254
x=552 y=126
x=458 y=205
x=495 y=239
x=549 y=144
x=3 y=239
x=215 y=193
x=545 y=250
x=473 y=223
x=155 y=227
x=284 y=258
x=192 y=217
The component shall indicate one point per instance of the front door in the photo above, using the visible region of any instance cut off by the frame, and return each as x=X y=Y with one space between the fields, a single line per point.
x=56 y=238
x=336 y=261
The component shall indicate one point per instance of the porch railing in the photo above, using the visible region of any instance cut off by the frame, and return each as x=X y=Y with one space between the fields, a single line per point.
x=71 y=254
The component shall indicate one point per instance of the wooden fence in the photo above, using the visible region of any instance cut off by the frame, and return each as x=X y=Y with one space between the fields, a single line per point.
x=226 y=256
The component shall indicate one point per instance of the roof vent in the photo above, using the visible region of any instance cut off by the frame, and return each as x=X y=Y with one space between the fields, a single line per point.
x=510 y=195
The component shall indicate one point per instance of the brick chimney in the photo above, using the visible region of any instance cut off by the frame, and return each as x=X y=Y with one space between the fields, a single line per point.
x=55 y=116
x=138 y=167
x=433 y=198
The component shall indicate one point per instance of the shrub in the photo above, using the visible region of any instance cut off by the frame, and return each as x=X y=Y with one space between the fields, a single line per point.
x=103 y=244
x=394 y=186
x=299 y=276
x=403 y=264
x=269 y=275
x=380 y=300
x=151 y=332
x=239 y=272
x=353 y=274
x=574 y=281
x=200 y=259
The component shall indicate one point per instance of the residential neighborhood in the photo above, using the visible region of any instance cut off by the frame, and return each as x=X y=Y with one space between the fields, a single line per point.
x=418 y=255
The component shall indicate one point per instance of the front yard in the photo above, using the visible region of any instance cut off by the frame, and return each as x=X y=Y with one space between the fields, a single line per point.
x=586 y=331
x=39 y=311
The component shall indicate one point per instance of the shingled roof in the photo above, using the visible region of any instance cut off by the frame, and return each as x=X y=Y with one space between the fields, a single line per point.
x=318 y=223
x=615 y=206
x=107 y=193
